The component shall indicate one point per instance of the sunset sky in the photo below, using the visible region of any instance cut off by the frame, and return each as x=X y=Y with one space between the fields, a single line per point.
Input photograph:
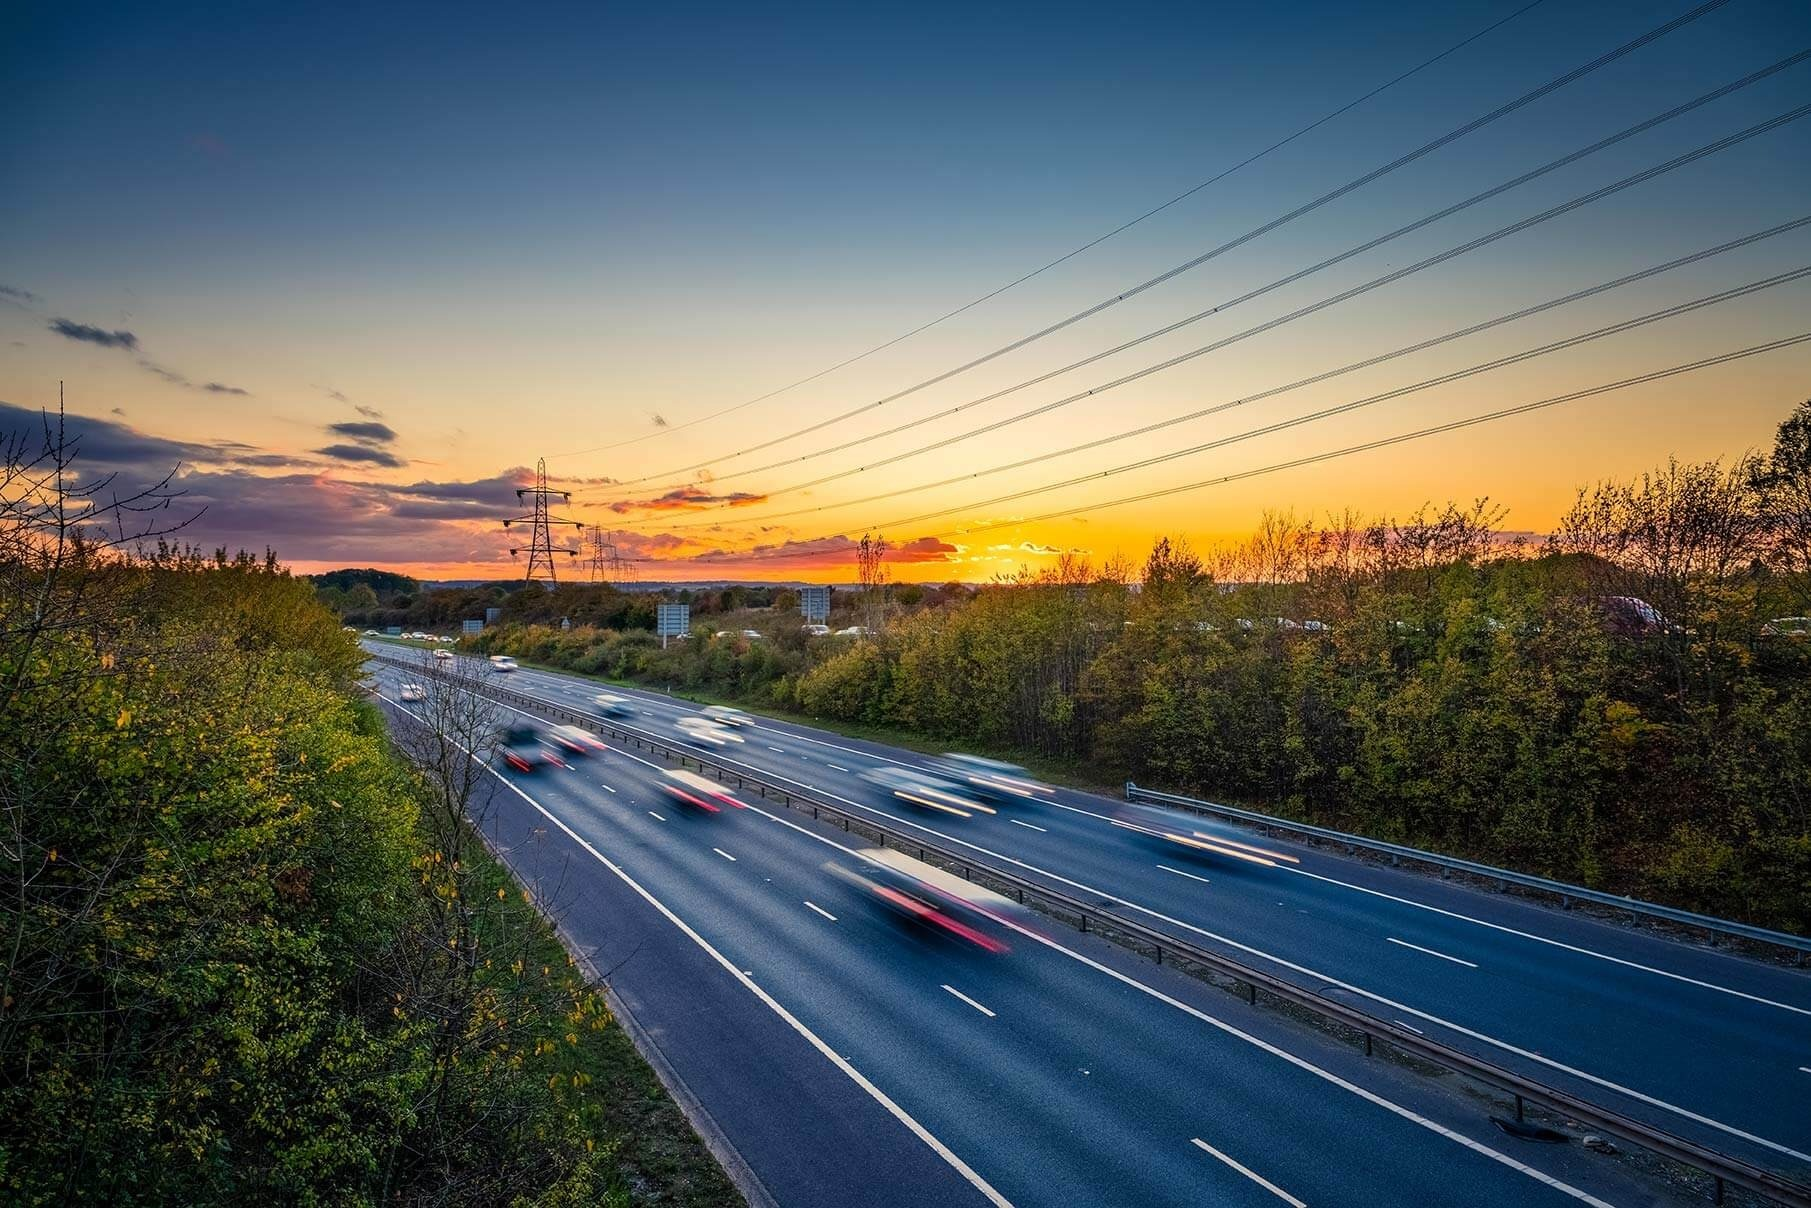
x=356 y=270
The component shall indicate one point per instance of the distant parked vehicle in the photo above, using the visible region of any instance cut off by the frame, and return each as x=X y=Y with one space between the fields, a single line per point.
x=611 y=705
x=413 y=692
x=727 y=715
x=816 y=631
x=1787 y=627
x=349 y=628
x=855 y=631
x=992 y=779
x=370 y=633
x=503 y=663
x=524 y=749
x=927 y=789
x=1630 y=615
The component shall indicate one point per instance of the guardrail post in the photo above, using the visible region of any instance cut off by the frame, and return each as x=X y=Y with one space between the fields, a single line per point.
x=1367 y=1044
x=1518 y=1109
x=1716 y=1193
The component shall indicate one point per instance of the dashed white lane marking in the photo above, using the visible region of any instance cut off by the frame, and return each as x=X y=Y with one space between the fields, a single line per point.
x=776 y=750
x=1301 y=1063
x=971 y=1002
x=655 y=816
x=1429 y=951
x=1040 y=830
x=821 y=911
x=1191 y=876
x=839 y=767
x=1482 y=1037
x=1804 y=1069
x=1249 y=1173
x=724 y=854
x=605 y=787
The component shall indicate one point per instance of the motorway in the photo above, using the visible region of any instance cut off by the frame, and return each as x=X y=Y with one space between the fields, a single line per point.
x=1699 y=1042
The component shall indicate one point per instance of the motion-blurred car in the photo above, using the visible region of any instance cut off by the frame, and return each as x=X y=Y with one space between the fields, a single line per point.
x=691 y=789
x=502 y=663
x=370 y=633
x=575 y=741
x=413 y=692
x=704 y=730
x=443 y=656
x=926 y=789
x=726 y=715
x=929 y=897
x=1196 y=835
x=992 y=779
x=525 y=749
x=610 y=705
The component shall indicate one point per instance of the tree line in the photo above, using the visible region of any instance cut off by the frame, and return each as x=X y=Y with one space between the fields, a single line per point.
x=1625 y=702
x=247 y=950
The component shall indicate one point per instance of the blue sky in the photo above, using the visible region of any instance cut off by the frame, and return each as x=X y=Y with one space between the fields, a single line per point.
x=520 y=231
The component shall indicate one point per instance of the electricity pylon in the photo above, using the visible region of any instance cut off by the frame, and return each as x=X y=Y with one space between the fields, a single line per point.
x=541 y=548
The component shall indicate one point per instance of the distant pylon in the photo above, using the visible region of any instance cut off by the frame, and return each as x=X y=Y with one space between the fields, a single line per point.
x=541 y=548
x=605 y=557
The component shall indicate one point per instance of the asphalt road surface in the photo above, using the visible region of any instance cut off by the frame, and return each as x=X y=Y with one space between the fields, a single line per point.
x=1066 y=1073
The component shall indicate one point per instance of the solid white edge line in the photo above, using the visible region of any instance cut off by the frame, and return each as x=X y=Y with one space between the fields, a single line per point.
x=1430 y=952
x=881 y=1097
x=971 y=1002
x=1300 y=1062
x=1191 y=876
x=1461 y=1029
x=724 y=854
x=1251 y=1174
x=1411 y=1027
x=1040 y=830
x=821 y=910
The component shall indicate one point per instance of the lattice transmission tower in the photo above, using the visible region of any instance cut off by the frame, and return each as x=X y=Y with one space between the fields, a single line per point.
x=541 y=549
x=605 y=558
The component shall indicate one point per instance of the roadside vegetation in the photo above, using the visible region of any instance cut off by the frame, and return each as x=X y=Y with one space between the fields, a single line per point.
x=247 y=953
x=1624 y=703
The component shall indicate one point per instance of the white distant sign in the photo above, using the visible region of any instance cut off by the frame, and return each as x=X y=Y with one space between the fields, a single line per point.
x=814 y=602
x=672 y=621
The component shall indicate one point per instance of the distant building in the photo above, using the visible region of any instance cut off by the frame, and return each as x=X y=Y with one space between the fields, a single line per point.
x=492 y=615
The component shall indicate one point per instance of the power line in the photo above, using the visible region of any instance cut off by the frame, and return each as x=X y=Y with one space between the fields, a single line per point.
x=1070 y=255
x=1314 y=379
x=1220 y=308
x=1444 y=379
x=1346 y=451
x=1255 y=233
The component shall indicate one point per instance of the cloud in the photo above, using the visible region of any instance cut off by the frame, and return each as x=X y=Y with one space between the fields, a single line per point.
x=1032 y=547
x=365 y=433
x=367 y=412
x=687 y=499
x=923 y=549
x=362 y=453
x=105 y=446
x=218 y=388
x=21 y=295
x=82 y=332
